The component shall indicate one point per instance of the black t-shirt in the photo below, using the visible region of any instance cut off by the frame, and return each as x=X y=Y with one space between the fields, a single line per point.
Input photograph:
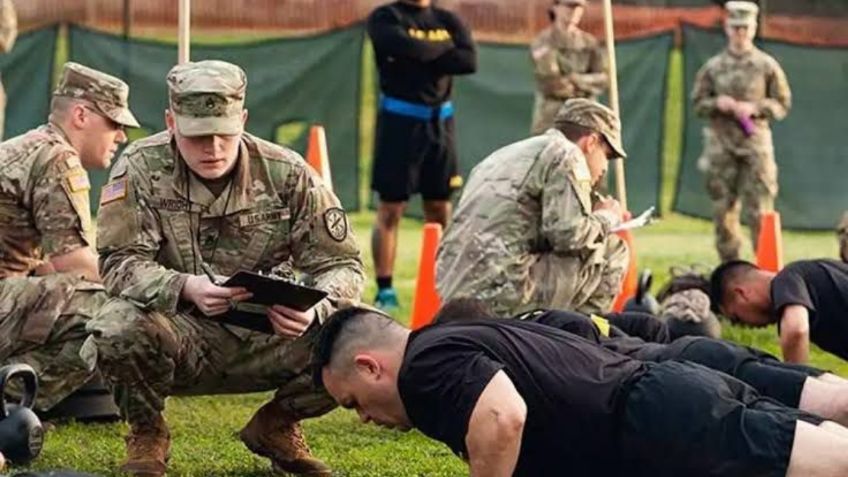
x=418 y=49
x=618 y=341
x=820 y=286
x=572 y=389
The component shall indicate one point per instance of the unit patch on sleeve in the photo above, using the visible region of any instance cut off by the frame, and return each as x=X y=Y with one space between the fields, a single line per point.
x=336 y=223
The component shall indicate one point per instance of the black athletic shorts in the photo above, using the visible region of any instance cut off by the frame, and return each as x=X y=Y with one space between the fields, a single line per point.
x=760 y=370
x=682 y=419
x=414 y=156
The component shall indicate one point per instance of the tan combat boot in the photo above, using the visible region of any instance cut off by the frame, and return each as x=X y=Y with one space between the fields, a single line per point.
x=148 y=448
x=273 y=434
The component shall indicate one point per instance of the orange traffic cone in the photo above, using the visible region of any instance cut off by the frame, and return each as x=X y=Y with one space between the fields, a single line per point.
x=316 y=154
x=426 y=302
x=631 y=279
x=770 y=243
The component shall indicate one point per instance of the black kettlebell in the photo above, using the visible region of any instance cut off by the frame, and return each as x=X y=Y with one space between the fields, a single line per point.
x=21 y=432
x=643 y=302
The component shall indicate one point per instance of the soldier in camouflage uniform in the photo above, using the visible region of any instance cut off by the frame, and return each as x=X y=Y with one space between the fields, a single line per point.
x=45 y=229
x=205 y=192
x=527 y=234
x=8 y=35
x=739 y=91
x=842 y=233
x=568 y=63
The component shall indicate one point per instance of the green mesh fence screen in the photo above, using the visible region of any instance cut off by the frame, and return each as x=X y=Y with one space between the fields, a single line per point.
x=494 y=108
x=27 y=73
x=292 y=82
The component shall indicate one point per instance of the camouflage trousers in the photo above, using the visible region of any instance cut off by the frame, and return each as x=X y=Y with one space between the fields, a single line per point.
x=842 y=234
x=738 y=180
x=584 y=285
x=148 y=356
x=42 y=324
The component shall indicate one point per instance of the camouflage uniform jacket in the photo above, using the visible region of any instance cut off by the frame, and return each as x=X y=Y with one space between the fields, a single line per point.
x=576 y=53
x=524 y=201
x=755 y=77
x=157 y=223
x=44 y=203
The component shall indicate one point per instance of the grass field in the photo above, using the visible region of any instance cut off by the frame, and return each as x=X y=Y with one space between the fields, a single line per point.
x=204 y=428
x=204 y=441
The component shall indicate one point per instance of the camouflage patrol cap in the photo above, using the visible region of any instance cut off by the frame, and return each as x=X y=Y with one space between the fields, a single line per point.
x=207 y=97
x=741 y=13
x=595 y=116
x=108 y=94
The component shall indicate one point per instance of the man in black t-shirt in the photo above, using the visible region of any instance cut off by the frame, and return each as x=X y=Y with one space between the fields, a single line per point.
x=794 y=385
x=418 y=49
x=524 y=399
x=808 y=300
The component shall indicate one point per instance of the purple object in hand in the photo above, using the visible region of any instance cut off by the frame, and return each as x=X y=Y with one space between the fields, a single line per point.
x=746 y=124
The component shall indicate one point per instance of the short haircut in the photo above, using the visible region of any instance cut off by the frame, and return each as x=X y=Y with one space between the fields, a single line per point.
x=60 y=105
x=349 y=330
x=460 y=309
x=723 y=277
x=573 y=131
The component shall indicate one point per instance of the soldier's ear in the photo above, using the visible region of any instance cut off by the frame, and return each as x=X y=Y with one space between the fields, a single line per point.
x=78 y=115
x=170 y=122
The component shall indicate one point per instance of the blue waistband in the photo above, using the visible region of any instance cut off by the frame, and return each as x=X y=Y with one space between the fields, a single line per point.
x=415 y=110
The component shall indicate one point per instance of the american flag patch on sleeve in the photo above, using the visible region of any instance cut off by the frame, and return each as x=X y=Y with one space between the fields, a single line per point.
x=78 y=181
x=116 y=190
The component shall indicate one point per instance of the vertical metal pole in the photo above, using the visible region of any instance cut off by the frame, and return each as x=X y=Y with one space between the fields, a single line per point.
x=184 y=34
x=620 y=184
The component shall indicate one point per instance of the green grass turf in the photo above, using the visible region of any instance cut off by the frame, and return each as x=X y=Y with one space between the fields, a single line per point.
x=204 y=428
x=204 y=441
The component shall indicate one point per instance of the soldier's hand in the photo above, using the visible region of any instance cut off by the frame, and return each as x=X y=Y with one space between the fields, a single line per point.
x=745 y=109
x=539 y=52
x=726 y=104
x=288 y=322
x=44 y=268
x=209 y=298
x=609 y=203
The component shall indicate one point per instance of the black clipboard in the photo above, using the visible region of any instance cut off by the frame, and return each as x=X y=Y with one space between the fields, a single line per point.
x=266 y=291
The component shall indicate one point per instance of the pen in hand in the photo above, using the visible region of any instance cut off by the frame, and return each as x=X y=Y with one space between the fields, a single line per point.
x=210 y=273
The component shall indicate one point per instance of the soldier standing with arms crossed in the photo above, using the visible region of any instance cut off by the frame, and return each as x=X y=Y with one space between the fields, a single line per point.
x=568 y=63
x=739 y=91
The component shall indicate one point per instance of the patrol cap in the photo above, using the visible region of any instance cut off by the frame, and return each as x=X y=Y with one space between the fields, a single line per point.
x=207 y=97
x=108 y=94
x=740 y=13
x=595 y=116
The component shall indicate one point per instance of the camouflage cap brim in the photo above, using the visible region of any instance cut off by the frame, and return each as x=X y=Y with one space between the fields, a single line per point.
x=191 y=126
x=615 y=144
x=122 y=116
